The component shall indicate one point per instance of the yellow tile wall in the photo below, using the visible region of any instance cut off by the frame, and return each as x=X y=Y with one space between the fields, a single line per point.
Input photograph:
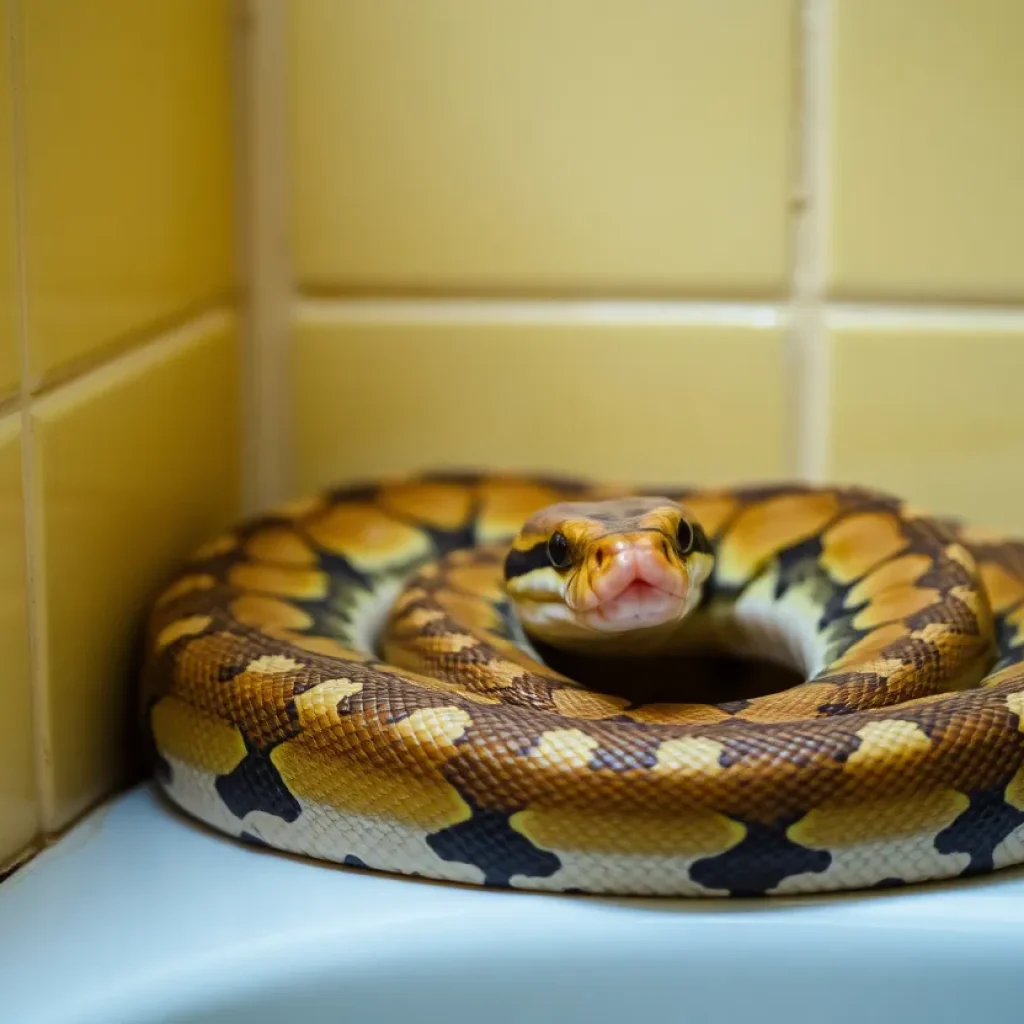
x=10 y=368
x=932 y=411
x=541 y=147
x=127 y=168
x=927 y=150
x=387 y=396
x=119 y=368
x=685 y=240
x=122 y=455
x=19 y=810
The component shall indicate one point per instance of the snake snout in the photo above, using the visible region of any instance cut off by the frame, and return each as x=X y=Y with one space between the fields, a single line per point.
x=626 y=565
x=635 y=579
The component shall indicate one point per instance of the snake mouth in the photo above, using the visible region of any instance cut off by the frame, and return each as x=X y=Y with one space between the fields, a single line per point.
x=637 y=600
x=640 y=589
x=639 y=605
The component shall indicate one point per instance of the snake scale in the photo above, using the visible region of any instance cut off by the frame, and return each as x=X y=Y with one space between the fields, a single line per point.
x=358 y=677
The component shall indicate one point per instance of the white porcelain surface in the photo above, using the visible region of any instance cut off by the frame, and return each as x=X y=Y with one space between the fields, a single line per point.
x=139 y=916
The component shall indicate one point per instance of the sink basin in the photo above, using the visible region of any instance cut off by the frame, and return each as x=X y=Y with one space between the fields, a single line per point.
x=138 y=915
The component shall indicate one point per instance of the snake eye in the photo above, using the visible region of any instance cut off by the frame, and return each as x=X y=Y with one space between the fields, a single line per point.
x=684 y=536
x=558 y=551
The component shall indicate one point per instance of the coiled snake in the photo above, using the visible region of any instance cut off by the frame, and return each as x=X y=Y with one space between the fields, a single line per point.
x=349 y=678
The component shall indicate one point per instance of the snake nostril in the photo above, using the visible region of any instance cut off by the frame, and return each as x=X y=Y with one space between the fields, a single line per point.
x=599 y=557
x=664 y=547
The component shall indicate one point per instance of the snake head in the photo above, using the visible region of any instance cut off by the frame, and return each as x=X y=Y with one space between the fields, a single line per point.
x=602 y=572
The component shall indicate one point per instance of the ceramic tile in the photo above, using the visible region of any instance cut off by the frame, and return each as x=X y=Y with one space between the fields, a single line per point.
x=138 y=462
x=542 y=147
x=933 y=414
x=18 y=811
x=927 y=152
x=127 y=185
x=643 y=402
x=10 y=359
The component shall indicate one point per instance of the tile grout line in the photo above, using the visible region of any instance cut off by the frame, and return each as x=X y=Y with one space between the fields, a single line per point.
x=596 y=310
x=812 y=355
x=265 y=256
x=795 y=208
x=31 y=498
x=240 y=35
x=200 y=325
x=738 y=312
x=123 y=348
x=948 y=316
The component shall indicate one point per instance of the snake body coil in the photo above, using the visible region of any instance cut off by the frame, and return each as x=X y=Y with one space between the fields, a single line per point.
x=343 y=678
